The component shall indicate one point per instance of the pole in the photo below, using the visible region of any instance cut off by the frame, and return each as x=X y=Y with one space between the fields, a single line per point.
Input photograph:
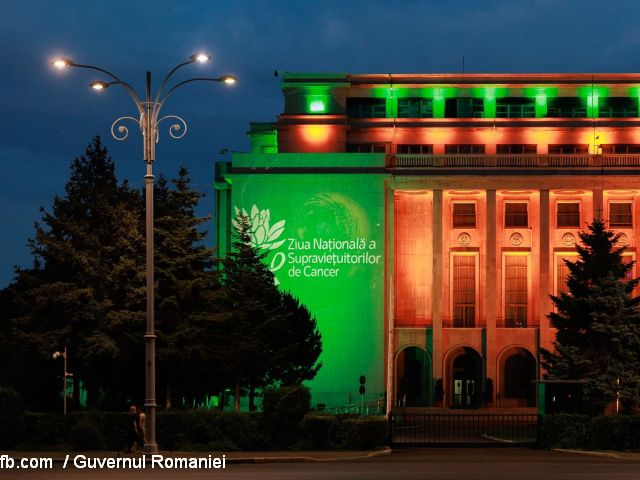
x=64 y=377
x=148 y=134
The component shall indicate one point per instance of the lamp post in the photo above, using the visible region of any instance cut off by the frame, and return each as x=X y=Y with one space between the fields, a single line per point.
x=148 y=120
x=64 y=377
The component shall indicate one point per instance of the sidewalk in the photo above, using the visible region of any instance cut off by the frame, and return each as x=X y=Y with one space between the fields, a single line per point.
x=231 y=457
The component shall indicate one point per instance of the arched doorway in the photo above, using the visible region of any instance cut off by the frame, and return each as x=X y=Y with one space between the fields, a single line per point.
x=412 y=378
x=466 y=379
x=518 y=377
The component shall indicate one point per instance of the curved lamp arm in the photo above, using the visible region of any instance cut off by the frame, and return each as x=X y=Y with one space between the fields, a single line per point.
x=224 y=79
x=128 y=88
x=169 y=75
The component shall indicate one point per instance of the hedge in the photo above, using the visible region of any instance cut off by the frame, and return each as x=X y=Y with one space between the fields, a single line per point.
x=202 y=430
x=607 y=432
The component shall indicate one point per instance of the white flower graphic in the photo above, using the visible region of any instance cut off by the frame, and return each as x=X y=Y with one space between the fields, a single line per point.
x=262 y=235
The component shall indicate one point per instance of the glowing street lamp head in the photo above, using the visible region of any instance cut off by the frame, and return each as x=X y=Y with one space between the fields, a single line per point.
x=62 y=63
x=200 y=58
x=98 y=85
x=228 y=79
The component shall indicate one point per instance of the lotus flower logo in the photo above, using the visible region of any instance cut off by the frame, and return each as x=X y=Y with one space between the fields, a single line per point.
x=263 y=235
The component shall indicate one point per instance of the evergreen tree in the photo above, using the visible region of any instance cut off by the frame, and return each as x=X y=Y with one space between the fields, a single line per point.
x=86 y=288
x=598 y=322
x=187 y=291
x=271 y=338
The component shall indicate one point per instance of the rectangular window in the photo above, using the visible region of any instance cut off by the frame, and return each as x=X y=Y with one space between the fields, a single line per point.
x=464 y=290
x=366 y=107
x=620 y=148
x=515 y=291
x=515 y=107
x=562 y=273
x=567 y=215
x=516 y=149
x=366 y=148
x=466 y=148
x=415 y=149
x=568 y=149
x=516 y=215
x=620 y=214
x=464 y=215
x=415 y=108
x=567 y=107
x=617 y=107
x=627 y=259
x=464 y=108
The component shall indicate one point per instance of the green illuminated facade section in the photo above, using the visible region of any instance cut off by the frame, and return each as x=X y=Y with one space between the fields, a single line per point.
x=329 y=254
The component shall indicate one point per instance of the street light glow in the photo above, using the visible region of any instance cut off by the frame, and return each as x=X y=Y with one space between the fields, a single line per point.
x=200 y=58
x=62 y=63
x=98 y=85
x=229 y=79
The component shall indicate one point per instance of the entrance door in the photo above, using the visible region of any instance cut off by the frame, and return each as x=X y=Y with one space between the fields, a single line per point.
x=467 y=379
x=412 y=371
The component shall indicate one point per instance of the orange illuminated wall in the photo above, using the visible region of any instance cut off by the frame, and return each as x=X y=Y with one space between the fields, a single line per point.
x=413 y=258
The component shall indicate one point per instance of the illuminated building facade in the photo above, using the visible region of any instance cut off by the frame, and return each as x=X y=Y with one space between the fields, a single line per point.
x=424 y=220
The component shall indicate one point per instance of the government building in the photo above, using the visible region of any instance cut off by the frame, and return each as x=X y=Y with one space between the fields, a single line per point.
x=425 y=219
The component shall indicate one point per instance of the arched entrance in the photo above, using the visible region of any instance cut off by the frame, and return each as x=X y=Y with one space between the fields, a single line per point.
x=466 y=379
x=518 y=377
x=412 y=378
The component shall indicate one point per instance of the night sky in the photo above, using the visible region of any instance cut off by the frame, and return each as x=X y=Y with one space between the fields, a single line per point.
x=48 y=117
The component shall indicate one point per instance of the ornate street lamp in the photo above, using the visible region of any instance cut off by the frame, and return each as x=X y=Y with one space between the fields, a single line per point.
x=148 y=120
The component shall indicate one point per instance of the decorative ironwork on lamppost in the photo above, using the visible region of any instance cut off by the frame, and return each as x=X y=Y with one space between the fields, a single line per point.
x=148 y=120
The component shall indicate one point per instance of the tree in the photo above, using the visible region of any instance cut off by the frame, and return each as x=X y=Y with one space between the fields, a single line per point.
x=598 y=322
x=186 y=294
x=86 y=287
x=271 y=338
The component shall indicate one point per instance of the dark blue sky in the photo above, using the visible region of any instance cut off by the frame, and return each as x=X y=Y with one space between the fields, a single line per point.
x=48 y=117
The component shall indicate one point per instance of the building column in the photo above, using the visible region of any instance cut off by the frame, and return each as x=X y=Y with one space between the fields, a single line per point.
x=491 y=285
x=389 y=341
x=598 y=203
x=436 y=287
x=544 y=305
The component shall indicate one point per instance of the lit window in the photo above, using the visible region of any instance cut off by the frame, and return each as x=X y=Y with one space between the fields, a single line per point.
x=568 y=215
x=620 y=214
x=415 y=108
x=464 y=215
x=464 y=290
x=516 y=215
x=515 y=291
x=562 y=273
x=463 y=149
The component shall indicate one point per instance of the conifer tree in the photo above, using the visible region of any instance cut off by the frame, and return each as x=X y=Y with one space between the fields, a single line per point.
x=598 y=322
x=86 y=288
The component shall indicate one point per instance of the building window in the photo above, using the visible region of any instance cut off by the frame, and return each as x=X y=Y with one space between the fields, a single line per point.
x=562 y=273
x=366 y=148
x=464 y=290
x=617 y=107
x=516 y=215
x=568 y=149
x=515 y=291
x=620 y=148
x=567 y=107
x=511 y=149
x=415 y=108
x=464 y=215
x=464 y=108
x=515 y=107
x=366 y=107
x=567 y=215
x=620 y=214
x=415 y=149
x=465 y=148
x=628 y=259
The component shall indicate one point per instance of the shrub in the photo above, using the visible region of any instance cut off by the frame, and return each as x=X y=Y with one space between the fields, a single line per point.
x=85 y=435
x=11 y=418
x=283 y=411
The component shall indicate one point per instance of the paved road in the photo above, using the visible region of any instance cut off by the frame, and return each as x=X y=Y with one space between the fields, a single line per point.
x=441 y=464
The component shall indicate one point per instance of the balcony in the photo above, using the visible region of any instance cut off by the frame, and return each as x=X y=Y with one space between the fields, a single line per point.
x=409 y=161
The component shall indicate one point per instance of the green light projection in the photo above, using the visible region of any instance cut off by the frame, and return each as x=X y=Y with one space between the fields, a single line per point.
x=329 y=254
